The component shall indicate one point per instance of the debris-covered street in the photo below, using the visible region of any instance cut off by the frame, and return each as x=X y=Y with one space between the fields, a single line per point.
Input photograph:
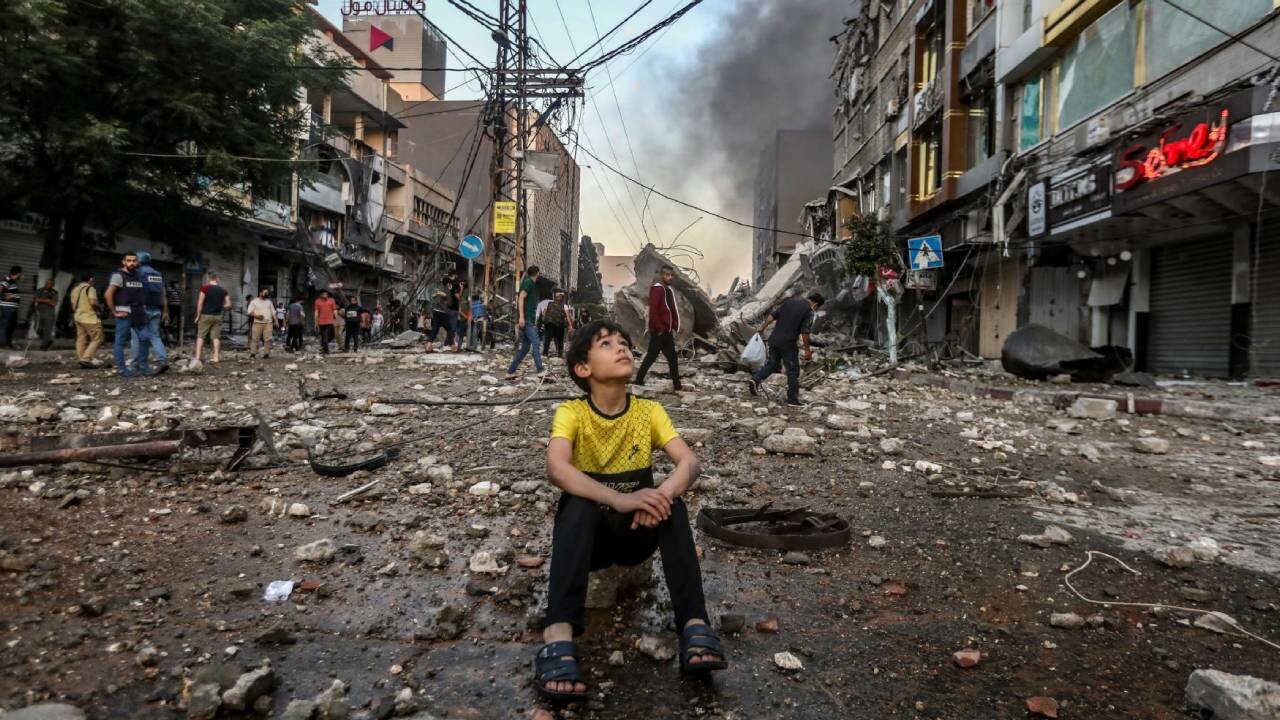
x=134 y=593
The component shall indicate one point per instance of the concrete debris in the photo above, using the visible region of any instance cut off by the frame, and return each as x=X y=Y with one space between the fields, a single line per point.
x=1175 y=557
x=1038 y=353
x=46 y=711
x=1151 y=445
x=656 y=648
x=966 y=658
x=1218 y=622
x=1233 y=697
x=1066 y=620
x=1052 y=535
x=1087 y=408
x=249 y=687
x=698 y=316
x=318 y=551
x=792 y=441
x=485 y=488
x=486 y=561
x=787 y=661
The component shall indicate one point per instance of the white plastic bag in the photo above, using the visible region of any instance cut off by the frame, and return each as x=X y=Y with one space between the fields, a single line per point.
x=754 y=354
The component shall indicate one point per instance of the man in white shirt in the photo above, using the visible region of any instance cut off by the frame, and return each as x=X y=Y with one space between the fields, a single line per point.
x=263 y=313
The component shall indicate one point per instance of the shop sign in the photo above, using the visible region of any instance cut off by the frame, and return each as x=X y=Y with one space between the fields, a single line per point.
x=1177 y=148
x=921 y=280
x=1079 y=196
x=356 y=8
x=1036 y=210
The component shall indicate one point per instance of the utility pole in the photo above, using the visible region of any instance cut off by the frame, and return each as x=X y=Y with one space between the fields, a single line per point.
x=515 y=84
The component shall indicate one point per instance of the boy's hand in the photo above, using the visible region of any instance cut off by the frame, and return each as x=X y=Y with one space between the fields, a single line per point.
x=643 y=519
x=648 y=500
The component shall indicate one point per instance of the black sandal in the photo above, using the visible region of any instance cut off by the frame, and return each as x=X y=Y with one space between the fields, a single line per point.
x=549 y=666
x=700 y=636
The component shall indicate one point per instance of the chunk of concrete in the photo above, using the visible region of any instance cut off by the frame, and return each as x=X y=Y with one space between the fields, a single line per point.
x=1087 y=408
x=1233 y=697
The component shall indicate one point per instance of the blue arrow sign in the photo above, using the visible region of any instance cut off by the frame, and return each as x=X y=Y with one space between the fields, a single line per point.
x=925 y=253
x=471 y=247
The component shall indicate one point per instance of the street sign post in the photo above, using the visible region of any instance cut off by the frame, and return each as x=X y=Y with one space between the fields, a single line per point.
x=471 y=248
x=925 y=253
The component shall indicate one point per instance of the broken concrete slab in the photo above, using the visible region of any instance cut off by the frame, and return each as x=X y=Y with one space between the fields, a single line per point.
x=1233 y=697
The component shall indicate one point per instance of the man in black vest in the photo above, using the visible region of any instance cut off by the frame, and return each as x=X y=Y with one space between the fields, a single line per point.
x=127 y=300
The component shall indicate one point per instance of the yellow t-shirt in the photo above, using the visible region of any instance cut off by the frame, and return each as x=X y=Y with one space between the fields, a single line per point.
x=83 y=296
x=616 y=450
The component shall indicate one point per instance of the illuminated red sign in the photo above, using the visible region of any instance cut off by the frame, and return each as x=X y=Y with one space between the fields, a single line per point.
x=1138 y=164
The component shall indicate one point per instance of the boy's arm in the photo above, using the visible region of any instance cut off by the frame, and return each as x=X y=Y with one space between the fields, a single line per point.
x=565 y=476
x=687 y=468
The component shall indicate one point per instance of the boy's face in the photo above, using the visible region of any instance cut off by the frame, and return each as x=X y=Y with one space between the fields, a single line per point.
x=608 y=360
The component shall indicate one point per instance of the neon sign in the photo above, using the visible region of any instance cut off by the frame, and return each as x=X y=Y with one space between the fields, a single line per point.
x=1206 y=142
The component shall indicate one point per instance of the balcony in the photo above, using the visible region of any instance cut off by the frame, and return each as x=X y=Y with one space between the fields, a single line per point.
x=329 y=135
x=324 y=192
x=928 y=101
x=396 y=173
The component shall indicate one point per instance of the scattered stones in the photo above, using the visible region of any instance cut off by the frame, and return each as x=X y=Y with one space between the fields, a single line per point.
x=298 y=510
x=1042 y=707
x=318 y=551
x=524 y=487
x=617 y=658
x=1052 y=535
x=1151 y=445
x=235 y=514
x=694 y=436
x=787 y=661
x=1233 y=697
x=47 y=711
x=486 y=561
x=384 y=410
x=768 y=626
x=1093 y=408
x=530 y=562
x=429 y=550
x=843 y=422
x=485 y=488
x=1194 y=594
x=891 y=446
x=444 y=474
x=203 y=701
x=1068 y=621
x=876 y=541
x=332 y=703
x=1270 y=460
x=1175 y=557
x=732 y=622
x=1089 y=452
x=792 y=441
x=249 y=687
x=795 y=557
x=366 y=520
x=655 y=648
x=966 y=658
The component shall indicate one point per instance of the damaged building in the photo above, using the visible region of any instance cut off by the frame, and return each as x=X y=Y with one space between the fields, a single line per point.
x=1095 y=168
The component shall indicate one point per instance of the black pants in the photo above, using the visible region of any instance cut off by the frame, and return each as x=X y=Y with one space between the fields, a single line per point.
x=666 y=344
x=589 y=537
x=553 y=332
x=351 y=336
x=8 y=322
x=293 y=341
x=326 y=337
x=789 y=359
x=440 y=321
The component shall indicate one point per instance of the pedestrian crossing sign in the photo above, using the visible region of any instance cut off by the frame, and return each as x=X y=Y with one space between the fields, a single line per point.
x=925 y=253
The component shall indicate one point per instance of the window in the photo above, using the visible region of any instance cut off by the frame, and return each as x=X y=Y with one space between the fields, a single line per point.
x=1028 y=14
x=980 y=131
x=930 y=54
x=978 y=10
x=1173 y=37
x=929 y=161
x=1097 y=68
x=1030 y=105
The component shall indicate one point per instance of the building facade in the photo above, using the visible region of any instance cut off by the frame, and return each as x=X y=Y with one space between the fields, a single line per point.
x=791 y=172
x=1095 y=166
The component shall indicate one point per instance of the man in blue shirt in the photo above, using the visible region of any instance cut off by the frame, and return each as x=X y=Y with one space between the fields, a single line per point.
x=479 y=329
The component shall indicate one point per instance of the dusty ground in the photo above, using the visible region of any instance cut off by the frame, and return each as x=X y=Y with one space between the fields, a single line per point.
x=91 y=583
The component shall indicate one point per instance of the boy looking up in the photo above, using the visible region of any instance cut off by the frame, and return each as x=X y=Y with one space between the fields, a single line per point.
x=601 y=456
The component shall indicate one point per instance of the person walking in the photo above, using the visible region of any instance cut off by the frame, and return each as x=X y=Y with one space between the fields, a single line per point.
x=173 y=298
x=795 y=321
x=664 y=323
x=295 y=318
x=440 y=316
x=325 y=311
x=351 y=315
x=262 y=316
x=366 y=325
x=45 y=301
x=555 y=322
x=157 y=313
x=127 y=300
x=10 y=300
x=212 y=302
x=479 y=324
x=84 y=311
x=456 y=291
x=527 y=307
x=281 y=312
x=378 y=322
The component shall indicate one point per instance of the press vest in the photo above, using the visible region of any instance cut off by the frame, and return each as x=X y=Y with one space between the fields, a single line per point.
x=133 y=295
x=153 y=286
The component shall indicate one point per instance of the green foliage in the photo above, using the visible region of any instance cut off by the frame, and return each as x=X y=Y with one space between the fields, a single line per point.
x=870 y=247
x=93 y=92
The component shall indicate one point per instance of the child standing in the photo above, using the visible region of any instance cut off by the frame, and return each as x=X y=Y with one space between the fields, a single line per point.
x=610 y=513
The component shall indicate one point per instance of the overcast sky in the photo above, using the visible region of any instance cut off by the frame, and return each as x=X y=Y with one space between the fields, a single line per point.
x=611 y=206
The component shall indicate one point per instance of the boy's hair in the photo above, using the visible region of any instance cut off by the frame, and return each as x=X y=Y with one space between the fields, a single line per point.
x=532 y=271
x=817 y=299
x=580 y=346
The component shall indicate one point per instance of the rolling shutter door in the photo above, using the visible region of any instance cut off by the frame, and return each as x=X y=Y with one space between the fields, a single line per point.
x=1190 y=320
x=1266 y=311
x=22 y=245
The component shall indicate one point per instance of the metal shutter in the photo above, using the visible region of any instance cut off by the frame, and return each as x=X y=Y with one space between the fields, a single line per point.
x=1190 y=320
x=1266 y=311
x=22 y=245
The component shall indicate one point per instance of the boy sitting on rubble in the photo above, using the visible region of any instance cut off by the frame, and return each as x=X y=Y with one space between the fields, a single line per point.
x=610 y=513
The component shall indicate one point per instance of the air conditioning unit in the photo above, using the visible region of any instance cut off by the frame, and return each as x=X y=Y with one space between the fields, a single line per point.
x=393 y=262
x=891 y=109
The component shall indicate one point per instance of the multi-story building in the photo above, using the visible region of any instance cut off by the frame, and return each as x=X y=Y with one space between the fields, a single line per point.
x=1095 y=166
x=553 y=180
x=791 y=172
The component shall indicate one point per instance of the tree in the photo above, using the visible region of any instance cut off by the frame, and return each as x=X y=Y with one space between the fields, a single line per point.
x=98 y=96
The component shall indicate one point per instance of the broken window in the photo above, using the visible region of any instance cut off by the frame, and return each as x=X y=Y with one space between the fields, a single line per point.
x=1173 y=37
x=1097 y=68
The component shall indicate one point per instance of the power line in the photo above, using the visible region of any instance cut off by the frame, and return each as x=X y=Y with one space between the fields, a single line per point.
x=635 y=42
x=689 y=205
x=613 y=30
x=461 y=108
